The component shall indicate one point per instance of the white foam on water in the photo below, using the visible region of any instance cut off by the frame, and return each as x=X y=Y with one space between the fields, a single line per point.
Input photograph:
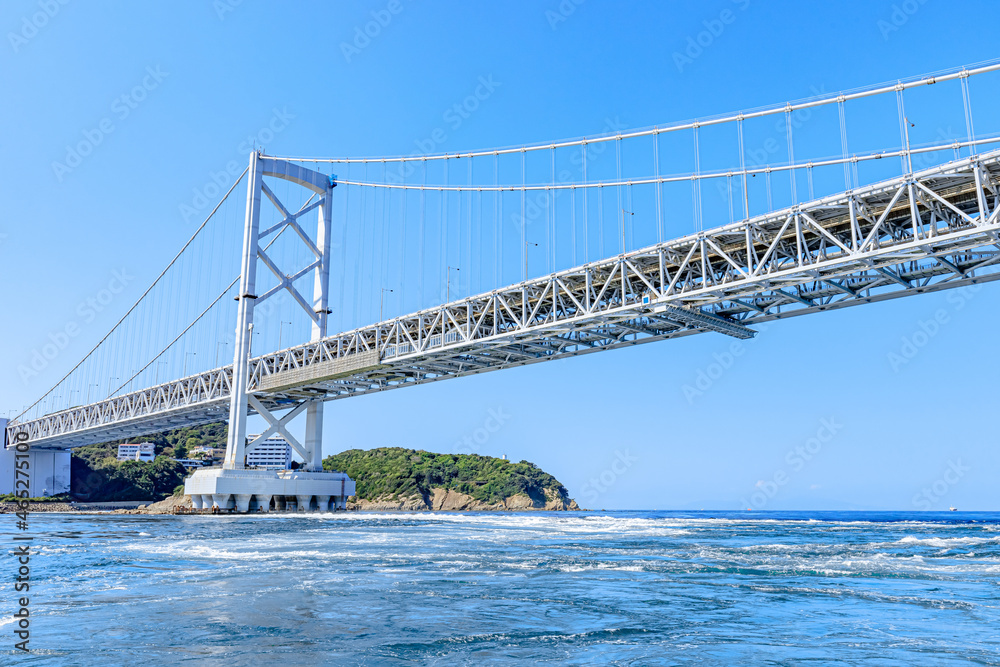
x=945 y=542
x=862 y=560
x=550 y=523
x=395 y=542
x=599 y=567
x=188 y=550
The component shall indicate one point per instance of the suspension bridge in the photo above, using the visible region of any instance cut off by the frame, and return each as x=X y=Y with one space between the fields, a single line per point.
x=504 y=257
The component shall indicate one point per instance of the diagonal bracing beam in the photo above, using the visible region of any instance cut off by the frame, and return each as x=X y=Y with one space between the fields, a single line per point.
x=278 y=426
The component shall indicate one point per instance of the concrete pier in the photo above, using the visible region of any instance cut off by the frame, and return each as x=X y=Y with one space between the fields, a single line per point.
x=292 y=490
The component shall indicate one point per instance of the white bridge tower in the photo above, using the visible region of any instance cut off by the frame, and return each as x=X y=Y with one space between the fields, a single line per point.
x=308 y=488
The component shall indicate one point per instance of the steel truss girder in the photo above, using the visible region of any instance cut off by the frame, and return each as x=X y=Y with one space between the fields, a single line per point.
x=932 y=230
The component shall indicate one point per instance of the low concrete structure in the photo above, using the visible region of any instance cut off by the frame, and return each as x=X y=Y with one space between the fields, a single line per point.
x=47 y=471
x=263 y=490
x=190 y=463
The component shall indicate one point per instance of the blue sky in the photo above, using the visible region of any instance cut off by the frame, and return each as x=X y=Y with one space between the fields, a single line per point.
x=214 y=74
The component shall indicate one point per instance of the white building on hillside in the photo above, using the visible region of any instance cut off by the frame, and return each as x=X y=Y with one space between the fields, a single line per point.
x=273 y=454
x=143 y=451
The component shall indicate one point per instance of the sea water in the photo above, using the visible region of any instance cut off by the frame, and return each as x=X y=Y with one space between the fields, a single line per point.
x=647 y=588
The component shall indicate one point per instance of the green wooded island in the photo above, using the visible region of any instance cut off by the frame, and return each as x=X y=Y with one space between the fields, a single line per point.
x=388 y=478
x=408 y=479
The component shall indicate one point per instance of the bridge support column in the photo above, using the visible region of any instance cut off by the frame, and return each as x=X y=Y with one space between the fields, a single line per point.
x=324 y=503
x=302 y=503
x=244 y=321
x=243 y=502
x=314 y=436
x=264 y=503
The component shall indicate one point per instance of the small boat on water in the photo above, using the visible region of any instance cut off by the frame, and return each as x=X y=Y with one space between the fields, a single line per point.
x=952 y=509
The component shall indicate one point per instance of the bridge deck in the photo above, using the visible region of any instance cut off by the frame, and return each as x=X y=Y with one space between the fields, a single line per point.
x=935 y=230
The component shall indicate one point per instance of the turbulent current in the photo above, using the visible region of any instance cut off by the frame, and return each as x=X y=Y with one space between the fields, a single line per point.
x=642 y=588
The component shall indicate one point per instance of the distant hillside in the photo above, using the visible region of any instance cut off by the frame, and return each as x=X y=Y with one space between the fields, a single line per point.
x=178 y=442
x=386 y=477
x=97 y=475
x=398 y=478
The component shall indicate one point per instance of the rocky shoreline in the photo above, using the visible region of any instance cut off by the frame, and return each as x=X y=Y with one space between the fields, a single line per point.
x=7 y=508
x=448 y=500
x=439 y=500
